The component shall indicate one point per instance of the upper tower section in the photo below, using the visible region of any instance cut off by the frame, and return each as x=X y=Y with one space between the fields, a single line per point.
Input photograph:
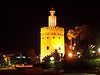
x=52 y=22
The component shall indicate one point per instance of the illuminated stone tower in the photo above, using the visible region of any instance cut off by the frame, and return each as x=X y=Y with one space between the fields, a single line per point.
x=52 y=37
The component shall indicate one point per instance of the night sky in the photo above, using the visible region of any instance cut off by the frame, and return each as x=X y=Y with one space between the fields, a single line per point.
x=21 y=21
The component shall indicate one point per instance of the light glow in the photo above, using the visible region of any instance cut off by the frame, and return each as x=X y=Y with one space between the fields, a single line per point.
x=51 y=58
x=78 y=52
x=70 y=54
x=98 y=49
x=93 y=51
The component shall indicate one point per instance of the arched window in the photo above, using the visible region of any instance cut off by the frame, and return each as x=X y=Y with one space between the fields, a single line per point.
x=52 y=34
x=47 y=47
x=59 y=48
x=59 y=37
x=53 y=37
x=42 y=37
x=47 y=37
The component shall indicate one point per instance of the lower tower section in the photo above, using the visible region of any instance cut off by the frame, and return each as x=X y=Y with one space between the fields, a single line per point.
x=52 y=38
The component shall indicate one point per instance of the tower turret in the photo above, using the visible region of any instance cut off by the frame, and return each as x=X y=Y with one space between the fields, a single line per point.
x=52 y=19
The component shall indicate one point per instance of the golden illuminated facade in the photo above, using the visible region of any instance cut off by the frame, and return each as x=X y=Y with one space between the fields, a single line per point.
x=52 y=37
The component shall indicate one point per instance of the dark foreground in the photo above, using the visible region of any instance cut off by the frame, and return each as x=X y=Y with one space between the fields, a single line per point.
x=33 y=71
x=39 y=71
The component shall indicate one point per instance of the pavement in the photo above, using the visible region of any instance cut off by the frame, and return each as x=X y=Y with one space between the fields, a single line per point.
x=83 y=71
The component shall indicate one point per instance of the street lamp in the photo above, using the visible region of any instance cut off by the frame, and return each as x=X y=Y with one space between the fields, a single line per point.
x=51 y=58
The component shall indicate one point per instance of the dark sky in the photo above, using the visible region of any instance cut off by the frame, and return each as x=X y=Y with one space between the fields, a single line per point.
x=21 y=21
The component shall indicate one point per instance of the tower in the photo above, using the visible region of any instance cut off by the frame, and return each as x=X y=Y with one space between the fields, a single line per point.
x=52 y=37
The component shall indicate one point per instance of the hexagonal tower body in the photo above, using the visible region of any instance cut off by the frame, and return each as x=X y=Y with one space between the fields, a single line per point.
x=52 y=37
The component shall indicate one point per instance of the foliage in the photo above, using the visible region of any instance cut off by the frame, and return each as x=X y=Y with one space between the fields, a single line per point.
x=56 y=63
x=2 y=61
x=21 y=60
x=86 y=48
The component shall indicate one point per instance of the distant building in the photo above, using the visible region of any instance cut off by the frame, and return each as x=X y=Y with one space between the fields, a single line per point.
x=52 y=37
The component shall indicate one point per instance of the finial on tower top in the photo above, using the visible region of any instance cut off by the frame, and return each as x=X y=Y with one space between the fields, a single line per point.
x=52 y=12
x=52 y=8
x=52 y=4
